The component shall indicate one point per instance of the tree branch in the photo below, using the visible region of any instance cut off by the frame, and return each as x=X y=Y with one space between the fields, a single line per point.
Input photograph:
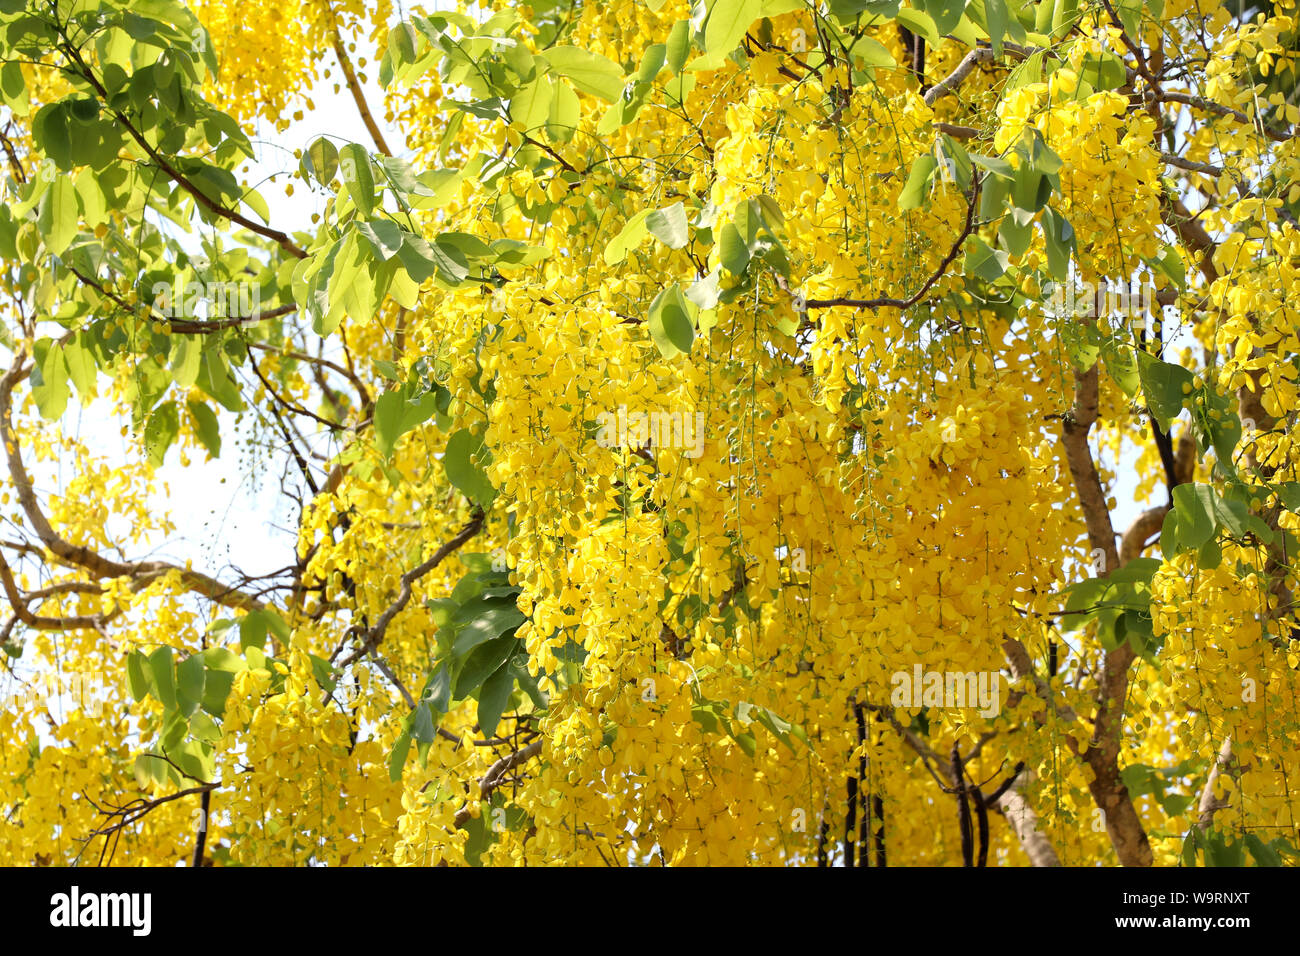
x=495 y=776
x=938 y=274
x=375 y=636
x=358 y=97
x=83 y=557
x=963 y=69
x=1209 y=804
x=1011 y=804
x=1102 y=754
x=174 y=174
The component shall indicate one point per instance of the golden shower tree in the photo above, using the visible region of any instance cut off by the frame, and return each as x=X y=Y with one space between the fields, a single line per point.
x=755 y=431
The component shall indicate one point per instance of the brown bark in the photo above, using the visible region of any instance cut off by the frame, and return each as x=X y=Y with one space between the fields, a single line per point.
x=1123 y=825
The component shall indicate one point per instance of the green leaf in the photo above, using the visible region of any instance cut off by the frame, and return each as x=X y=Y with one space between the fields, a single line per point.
x=628 y=238
x=401 y=42
x=160 y=669
x=679 y=45
x=946 y=14
x=1218 y=426
x=423 y=260
x=1265 y=854
x=149 y=770
x=782 y=729
x=397 y=760
x=354 y=162
x=986 y=263
x=479 y=837
x=1166 y=387
x=955 y=162
x=385 y=237
x=216 y=687
x=1059 y=240
x=515 y=252
x=1082 y=343
x=49 y=379
x=437 y=690
x=481 y=663
x=998 y=20
x=255 y=626
x=470 y=245
x=1121 y=365
x=344 y=268
x=323 y=674
x=1031 y=70
x=709 y=715
x=917 y=188
x=1030 y=188
x=1104 y=71
x=190 y=674
x=671 y=326
x=13 y=87
x=669 y=225
x=1220 y=852
x=528 y=683
x=203 y=729
x=53 y=137
x=82 y=369
x=1016 y=231
x=396 y=414
x=1195 y=505
x=1169 y=544
x=733 y=251
x=530 y=107
x=206 y=428
x=1130 y=14
x=488 y=625
x=1135 y=627
x=589 y=72
x=1171 y=265
x=216 y=379
x=723 y=31
x=163 y=427
x=920 y=22
x=652 y=61
x=137 y=683
x=322 y=159
x=1042 y=158
x=704 y=292
x=565 y=114
x=872 y=53
x=458 y=462
x=59 y=211
x=422 y=725
x=221 y=658
x=400 y=175
x=186 y=359
x=993 y=195
x=492 y=699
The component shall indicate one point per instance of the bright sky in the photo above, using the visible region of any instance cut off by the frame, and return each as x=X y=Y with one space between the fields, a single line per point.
x=230 y=511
